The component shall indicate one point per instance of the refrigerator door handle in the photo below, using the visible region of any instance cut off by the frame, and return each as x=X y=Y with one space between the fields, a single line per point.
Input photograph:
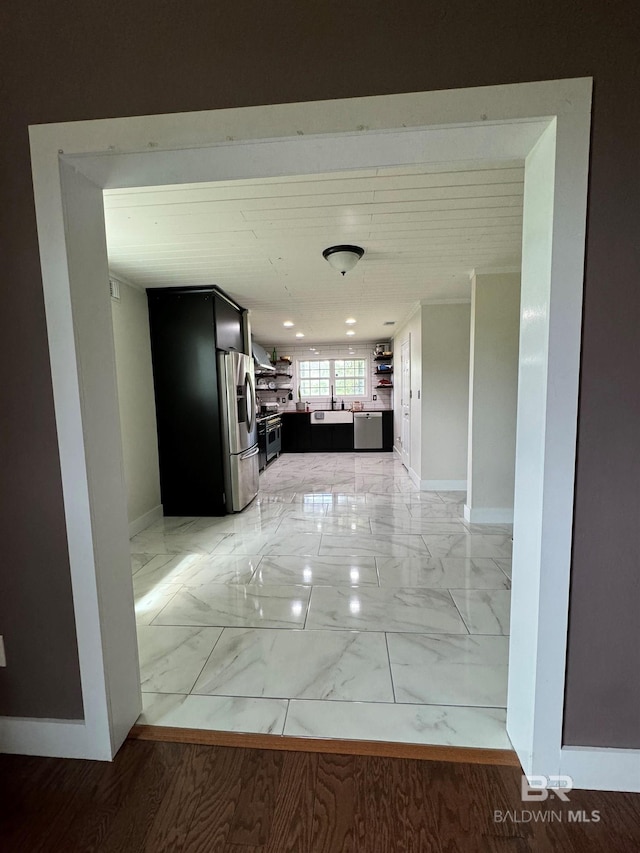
x=249 y=453
x=251 y=403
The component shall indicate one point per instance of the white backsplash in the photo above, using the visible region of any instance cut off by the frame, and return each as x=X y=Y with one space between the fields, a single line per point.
x=384 y=396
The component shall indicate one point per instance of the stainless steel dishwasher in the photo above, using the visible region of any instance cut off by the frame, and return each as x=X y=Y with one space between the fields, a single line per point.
x=367 y=430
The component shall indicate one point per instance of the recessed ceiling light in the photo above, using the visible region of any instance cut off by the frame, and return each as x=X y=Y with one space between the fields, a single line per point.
x=350 y=321
x=299 y=334
x=288 y=324
x=351 y=332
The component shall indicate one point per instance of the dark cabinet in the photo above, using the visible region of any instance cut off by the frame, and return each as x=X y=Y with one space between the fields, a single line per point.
x=387 y=430
x=229 y=325
x=296 y=433
x=186 y=330
x=332 y=437
x=321 y=438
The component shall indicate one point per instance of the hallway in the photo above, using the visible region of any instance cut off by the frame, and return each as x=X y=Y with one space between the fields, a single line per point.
x=343 y=603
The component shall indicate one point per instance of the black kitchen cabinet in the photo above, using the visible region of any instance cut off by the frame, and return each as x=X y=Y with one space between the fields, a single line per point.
x=296 y=432
x=229 y=325
x=322 y=438
x=186 y=333
x=332 y=437
x=387 y=430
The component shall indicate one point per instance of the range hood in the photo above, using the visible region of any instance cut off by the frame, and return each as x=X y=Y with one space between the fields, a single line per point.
x=262 y=360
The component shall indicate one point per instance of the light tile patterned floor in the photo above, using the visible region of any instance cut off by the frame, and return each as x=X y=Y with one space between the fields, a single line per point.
x=342 y=603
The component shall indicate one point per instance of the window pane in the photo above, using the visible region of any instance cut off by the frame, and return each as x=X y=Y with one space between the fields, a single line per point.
x=350 y=387
x=353 y=367
x=314 y=387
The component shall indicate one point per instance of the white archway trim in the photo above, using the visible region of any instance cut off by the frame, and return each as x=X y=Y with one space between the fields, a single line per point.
x=546 y=124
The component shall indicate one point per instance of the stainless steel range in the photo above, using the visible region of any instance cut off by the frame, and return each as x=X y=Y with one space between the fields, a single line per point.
x=274 y=437
x=269 y=437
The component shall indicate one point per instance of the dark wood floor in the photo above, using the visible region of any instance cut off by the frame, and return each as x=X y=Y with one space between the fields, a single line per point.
x=187 y=797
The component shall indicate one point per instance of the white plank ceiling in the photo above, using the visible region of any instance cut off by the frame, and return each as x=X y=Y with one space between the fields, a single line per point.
x=423 y=230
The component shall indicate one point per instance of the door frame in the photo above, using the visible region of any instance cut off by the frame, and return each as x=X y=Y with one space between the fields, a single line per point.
x=405 y=452
x=546 y=124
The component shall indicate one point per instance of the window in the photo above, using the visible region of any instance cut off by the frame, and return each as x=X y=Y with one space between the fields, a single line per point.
x=347 y=376
x=315 y=378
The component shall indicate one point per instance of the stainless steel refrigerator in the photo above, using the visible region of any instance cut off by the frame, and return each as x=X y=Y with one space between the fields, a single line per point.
x=239 y=429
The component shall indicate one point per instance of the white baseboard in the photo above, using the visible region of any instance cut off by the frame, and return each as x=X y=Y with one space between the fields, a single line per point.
x=443 y=485
x=51 y=738
x=145 y=520
x=488 y=515
x=415 y=478
x=600 y=769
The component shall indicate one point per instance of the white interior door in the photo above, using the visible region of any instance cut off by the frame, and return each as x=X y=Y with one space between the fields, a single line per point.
x=405 y=401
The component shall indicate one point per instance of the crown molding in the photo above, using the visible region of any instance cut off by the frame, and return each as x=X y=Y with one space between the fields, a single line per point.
x=121 y=280
x=508 y=270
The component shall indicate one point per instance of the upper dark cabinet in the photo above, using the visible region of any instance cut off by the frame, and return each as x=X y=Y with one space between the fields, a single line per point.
x=229 y=331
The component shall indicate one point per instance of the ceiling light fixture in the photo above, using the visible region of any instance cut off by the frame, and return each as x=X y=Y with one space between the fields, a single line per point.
x=288 y=324
x=343 y=258
x=299 y=334
x=351 y=332
x=350 y=321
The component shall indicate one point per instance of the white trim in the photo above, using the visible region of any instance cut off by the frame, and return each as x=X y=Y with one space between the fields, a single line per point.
x=459 y=301
x=145 y=520
x=600 y=769
x=53 y=738
x=488 y=270
x=443 y=485
x=415 y=478
x=76 y=160
x=488 y=515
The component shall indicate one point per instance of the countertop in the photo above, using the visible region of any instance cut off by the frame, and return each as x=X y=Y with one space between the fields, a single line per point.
x=311 y=411
x=260 y=418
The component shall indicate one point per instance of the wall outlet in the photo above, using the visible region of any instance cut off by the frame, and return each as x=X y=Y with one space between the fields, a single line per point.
x=3 y=657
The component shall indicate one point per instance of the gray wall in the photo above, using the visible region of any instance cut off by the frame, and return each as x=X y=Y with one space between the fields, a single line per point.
x=132 y=344
x=78 y=60
x=493 y=392
x=445 y=392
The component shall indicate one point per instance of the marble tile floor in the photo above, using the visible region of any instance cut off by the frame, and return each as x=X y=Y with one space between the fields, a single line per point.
x=342 y=603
